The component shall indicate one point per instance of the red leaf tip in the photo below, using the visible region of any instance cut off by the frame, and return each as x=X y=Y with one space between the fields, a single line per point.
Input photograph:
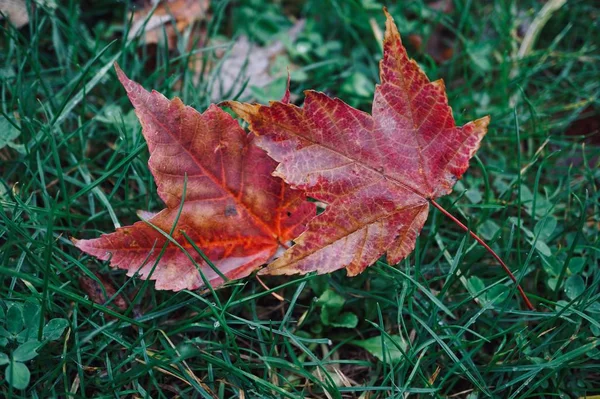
x=286 y=96
x=391 y=30
x=120 y=74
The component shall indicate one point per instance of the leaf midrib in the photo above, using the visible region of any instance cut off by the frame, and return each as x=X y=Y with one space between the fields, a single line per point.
x=352 y=160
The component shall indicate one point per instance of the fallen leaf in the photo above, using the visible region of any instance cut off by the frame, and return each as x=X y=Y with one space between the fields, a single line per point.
x=234 y=210
x=168 y=20
x=247 y=66
x=440 y=44
x=586 y=126
x=100 y=290
x=15 y=11
x=377 y=172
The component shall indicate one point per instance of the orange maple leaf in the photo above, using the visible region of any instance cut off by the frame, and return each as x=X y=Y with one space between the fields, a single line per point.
x=234 y=210
x=378 y=172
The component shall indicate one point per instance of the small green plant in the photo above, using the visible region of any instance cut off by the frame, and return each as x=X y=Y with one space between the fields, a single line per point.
x=19 y=332
x=331 y=304
x=386 y=348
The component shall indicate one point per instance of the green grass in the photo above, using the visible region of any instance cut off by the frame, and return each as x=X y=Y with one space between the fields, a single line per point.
x=532 y=193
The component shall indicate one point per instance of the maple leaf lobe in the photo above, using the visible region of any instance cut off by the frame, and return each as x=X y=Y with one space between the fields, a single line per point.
x=234 y=210
x=376 y=171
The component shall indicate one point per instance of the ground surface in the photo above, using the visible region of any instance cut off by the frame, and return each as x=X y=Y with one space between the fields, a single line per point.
x=448 y=317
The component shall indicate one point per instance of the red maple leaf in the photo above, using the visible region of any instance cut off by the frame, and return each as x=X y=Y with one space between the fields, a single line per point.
x=377 y=172
x=233 y=210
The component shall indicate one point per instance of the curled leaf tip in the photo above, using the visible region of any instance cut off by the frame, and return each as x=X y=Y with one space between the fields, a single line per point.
x=243 y=110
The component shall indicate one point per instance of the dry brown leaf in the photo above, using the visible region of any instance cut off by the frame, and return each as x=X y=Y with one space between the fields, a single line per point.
x=169 y=18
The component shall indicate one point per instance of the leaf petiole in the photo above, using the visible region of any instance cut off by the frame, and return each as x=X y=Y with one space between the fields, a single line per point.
x=490 y=250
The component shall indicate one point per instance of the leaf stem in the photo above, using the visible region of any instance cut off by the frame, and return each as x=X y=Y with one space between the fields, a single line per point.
x=266 y=287
x=490 y=250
